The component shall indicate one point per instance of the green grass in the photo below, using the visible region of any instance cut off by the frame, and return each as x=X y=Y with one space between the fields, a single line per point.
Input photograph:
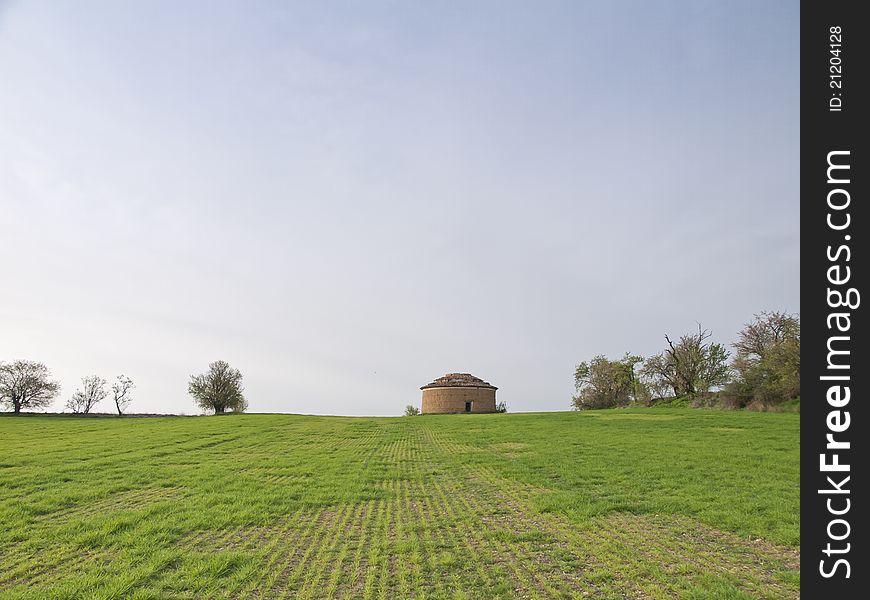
x=602 y=504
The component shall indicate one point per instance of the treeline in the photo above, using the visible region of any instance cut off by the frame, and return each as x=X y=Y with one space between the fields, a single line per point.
x=762 y=372
x=28 y=385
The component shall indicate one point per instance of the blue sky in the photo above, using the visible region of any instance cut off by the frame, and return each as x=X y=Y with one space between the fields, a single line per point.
x=346 y=200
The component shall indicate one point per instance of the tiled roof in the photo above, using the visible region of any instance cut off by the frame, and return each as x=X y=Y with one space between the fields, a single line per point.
x=458 y=380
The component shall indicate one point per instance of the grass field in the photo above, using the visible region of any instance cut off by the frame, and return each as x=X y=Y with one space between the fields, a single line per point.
x=645 y=503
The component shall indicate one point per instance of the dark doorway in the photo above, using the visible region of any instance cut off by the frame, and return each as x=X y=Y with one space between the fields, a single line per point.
x=468 y=407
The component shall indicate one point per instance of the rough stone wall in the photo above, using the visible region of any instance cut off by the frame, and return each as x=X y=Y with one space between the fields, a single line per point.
x=453 y=399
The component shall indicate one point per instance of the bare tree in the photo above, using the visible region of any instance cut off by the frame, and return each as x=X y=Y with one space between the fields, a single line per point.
x=122 y=393
x=220 y=389
x=691 y=366
x=27 y=384
x=92 y=392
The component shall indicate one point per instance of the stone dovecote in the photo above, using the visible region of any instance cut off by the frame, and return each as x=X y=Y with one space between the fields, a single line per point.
x=458 y=393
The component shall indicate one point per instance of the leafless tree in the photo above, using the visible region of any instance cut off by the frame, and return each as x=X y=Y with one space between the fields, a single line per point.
x=92 y=392
x=691 y=366
x=122 y=393
x=26 y=384
x=220 y=389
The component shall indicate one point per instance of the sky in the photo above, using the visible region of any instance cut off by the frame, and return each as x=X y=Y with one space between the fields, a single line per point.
x=346 y=200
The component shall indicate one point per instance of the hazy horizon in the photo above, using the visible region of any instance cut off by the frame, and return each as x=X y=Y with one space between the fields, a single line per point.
x=348 y=200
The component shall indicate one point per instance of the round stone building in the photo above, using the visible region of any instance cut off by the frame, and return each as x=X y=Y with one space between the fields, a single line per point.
x=458 y=393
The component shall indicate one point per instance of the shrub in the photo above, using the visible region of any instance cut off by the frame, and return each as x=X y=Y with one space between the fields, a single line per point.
x=604 y=383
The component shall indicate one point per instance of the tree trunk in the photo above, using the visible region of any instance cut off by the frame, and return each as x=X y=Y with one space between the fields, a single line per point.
x=16 y=405
x=219 y=410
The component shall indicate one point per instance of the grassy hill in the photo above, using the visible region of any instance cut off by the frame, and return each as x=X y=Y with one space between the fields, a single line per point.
x=605 y=504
